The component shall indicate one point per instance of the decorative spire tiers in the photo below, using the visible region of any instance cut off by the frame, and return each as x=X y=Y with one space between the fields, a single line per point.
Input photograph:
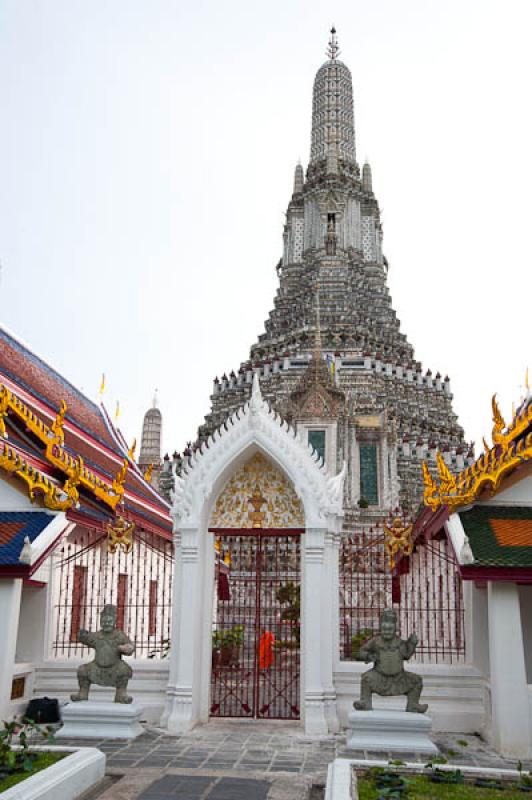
x=376 y=409
x=333 y=122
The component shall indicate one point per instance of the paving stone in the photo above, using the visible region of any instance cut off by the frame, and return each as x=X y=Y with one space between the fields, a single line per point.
x=239 y=789
x=174 y=786
x=155 y=761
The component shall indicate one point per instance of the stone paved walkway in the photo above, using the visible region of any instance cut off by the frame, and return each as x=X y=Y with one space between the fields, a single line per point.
x=242 y=760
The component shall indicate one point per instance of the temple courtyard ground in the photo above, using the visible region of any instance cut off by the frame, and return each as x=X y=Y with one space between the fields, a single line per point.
x=245 y=760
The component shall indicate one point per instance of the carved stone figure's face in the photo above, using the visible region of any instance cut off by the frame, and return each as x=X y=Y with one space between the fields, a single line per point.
x=387 y=629
x=108 y=622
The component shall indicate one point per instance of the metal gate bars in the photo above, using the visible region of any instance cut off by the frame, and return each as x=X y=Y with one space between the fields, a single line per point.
x=256 y=625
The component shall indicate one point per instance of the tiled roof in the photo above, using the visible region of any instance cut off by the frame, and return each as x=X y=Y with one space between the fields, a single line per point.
x=23 y=366
x=499 y=536
x=90 y=428
x=14 y=527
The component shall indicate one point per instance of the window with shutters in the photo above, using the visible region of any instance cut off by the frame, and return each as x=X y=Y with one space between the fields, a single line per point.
x=369 y=486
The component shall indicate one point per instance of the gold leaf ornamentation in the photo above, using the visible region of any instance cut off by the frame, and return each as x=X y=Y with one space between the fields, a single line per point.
x=53 y=439
x=397 y=539
x=120 y=535
x=258 y=487
x=512 y=447
x=36 y=482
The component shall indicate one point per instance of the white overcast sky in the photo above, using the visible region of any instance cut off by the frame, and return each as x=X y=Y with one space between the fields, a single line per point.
x=147 y=149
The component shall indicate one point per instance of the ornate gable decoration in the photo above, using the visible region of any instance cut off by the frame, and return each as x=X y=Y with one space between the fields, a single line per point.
x=257 y=425
x=512 y=445
x=258 y=495
x=316 y=395
x=52 y=437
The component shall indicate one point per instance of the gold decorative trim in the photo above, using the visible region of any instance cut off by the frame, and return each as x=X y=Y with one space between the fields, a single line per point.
x=36 y=482
x=488 y=471
x=53 y=439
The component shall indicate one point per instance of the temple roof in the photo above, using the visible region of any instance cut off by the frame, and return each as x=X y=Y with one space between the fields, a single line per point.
x=65 y=448
x=511 y=448
x=14 y=528
x=499 y=536
x=29 y=371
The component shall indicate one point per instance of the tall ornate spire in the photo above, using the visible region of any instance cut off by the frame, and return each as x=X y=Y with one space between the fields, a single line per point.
x=333 y=124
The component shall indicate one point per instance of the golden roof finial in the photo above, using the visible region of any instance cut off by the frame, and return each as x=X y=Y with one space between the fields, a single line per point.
x=447 y=479
x=147 y=474
x=430 y=494
x=117 y=410
x=4 y=407
x=57 y=424
x=498 y=421
x=131 y=451
x=102 y=385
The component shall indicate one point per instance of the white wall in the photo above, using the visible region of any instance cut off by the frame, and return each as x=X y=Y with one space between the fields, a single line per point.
x=525 y=602
x=10 y=592
x=147 y=686
x=14 y=498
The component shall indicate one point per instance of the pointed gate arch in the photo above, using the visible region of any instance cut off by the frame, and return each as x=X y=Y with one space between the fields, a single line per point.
x=254 y=429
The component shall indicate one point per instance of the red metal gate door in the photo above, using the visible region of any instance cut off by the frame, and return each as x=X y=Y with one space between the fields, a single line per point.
x=256 y=625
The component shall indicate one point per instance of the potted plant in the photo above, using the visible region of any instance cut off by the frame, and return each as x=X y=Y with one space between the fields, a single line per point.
x=226 y=645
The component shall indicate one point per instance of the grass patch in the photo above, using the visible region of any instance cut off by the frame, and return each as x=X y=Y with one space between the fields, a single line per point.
x=419 y=787
x=43 y=760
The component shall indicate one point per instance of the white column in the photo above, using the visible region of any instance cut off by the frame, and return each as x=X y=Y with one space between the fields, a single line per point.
x=476 y=626
x=183 y=691
x=319 y=698
x=509 y=691
x=330 y=628
x=10 y=591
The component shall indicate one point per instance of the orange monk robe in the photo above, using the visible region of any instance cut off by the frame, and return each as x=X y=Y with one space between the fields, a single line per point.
x=267 y=640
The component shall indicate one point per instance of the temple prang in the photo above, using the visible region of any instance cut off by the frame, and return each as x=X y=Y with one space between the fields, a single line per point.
x=369 y=402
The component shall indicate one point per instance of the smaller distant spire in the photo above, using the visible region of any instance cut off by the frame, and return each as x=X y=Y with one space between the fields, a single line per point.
x=155 y=399
x=333 y=50
x=366 y=178
x=299 y=179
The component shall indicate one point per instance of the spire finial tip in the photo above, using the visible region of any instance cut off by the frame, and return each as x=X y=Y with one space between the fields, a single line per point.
x=333 y=51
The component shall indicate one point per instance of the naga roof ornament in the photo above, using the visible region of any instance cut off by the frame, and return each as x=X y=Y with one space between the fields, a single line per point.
x=72 y=466
x=512 y=446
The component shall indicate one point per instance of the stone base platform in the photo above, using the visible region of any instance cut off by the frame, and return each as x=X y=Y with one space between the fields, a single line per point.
x=95 y=719
x=398 y=731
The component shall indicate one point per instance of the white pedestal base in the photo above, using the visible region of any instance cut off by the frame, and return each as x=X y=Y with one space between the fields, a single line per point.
x=95 y=719
x=399 y=731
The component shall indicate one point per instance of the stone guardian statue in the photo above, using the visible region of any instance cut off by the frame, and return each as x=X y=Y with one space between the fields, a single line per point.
x=388 y=676
x=108 y=668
